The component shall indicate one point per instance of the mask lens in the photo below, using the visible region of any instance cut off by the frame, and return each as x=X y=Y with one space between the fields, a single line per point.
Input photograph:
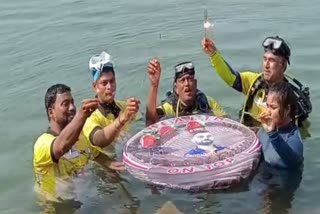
x=272 y=43
x=182 y=67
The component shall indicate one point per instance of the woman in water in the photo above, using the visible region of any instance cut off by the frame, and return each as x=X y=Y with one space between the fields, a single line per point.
x=281 y=142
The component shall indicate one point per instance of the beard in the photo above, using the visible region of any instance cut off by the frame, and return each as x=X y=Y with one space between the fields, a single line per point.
x=65 y=120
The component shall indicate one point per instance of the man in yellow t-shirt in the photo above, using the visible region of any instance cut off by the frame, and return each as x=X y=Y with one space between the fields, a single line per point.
x=62 y=152
x=110 y=111
x=185 y=99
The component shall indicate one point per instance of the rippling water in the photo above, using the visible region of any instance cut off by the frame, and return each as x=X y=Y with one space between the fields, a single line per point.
x=42 y=43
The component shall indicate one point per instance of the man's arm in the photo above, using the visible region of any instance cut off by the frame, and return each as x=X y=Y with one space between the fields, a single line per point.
x=151 y=112
x=240 y=81
x=69 y=135
x=225 y=71
x=108 y=163
x=154 y=71
x=102 y=137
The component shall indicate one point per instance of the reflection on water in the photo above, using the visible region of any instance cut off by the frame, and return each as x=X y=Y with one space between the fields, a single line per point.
x=280 y=188
x=102 y=191
x=67 y=206
x=272 y=189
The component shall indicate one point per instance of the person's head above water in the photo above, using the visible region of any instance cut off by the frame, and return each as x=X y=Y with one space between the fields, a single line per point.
x=104 y=81
x=59 y=104
x=281 y=104
x=185 y=84
x=276 y=57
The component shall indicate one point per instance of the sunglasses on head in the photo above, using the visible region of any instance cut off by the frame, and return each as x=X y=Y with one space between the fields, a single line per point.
x=184 y=68
x=273 y=42
x=277 y=46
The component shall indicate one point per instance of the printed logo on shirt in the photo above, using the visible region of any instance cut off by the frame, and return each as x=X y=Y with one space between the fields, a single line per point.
x=73 y=153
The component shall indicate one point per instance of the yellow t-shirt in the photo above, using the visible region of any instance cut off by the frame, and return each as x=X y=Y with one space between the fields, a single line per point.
x=99 y=120
x=54 y=179
x=214 y=106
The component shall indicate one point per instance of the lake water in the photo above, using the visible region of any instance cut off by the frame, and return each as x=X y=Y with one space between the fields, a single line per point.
x=46 y=42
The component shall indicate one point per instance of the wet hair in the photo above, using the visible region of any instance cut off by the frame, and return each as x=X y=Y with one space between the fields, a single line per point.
x=286 y=99
x=51 y=95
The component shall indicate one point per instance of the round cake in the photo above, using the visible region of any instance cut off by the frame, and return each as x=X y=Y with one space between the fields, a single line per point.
x=197 y=152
